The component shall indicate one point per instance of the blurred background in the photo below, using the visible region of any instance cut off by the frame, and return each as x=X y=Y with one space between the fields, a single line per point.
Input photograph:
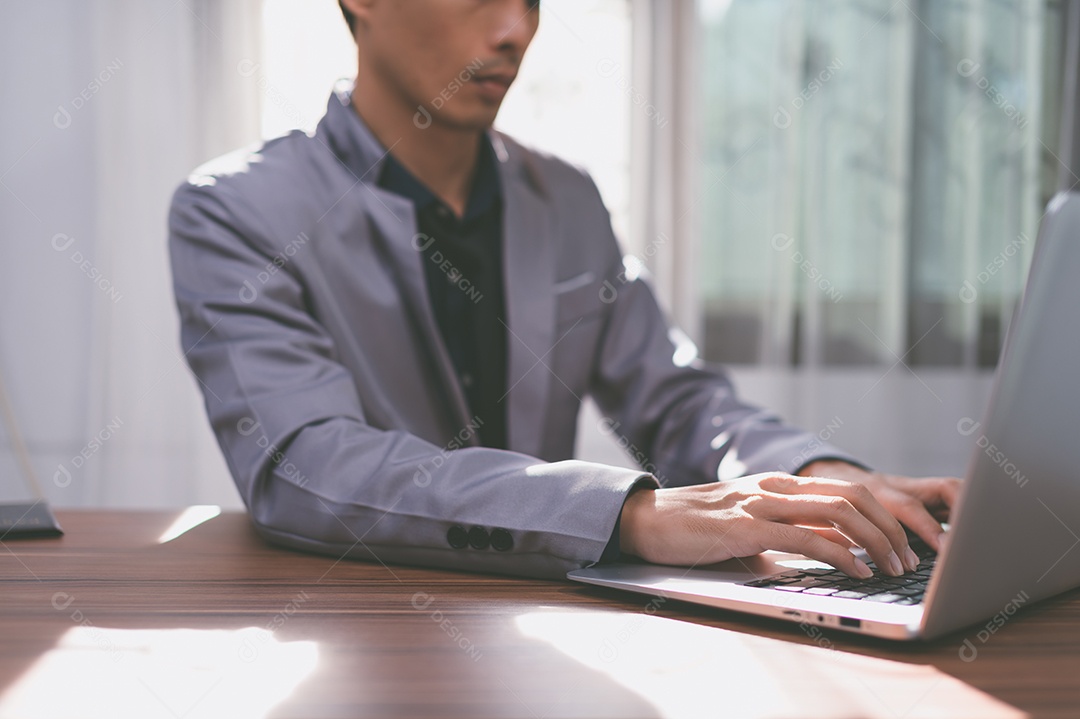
x=837 y=200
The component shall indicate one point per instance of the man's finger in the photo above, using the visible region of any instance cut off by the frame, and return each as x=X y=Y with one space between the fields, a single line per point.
x=799 y=540
x=861 y=497
x=914 y=515
x=931 y=491
x=937 y=490
x=838 y=512
x=833 y=536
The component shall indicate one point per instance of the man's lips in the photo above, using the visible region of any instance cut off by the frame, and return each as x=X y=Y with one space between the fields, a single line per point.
x=502 y=80
x=494 y=86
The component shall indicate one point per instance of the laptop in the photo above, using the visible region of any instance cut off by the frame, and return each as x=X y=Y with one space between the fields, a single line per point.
x=1014 y=535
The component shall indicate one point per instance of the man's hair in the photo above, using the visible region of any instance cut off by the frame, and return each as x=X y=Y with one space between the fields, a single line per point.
x=349 y=17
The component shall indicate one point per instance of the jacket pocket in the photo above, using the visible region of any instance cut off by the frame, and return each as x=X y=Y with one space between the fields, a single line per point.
x=578 y=297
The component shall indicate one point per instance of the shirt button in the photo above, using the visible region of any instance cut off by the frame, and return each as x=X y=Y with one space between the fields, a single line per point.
x=501 y=540
x=457 y=537
x=466 y=380
x=442 y=211
x=478 y=538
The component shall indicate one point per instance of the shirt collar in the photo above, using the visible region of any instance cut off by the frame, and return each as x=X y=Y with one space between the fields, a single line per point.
x=345 y=134
x=483 y=194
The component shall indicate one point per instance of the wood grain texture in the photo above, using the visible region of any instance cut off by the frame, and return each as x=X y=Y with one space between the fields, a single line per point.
x=215 y=621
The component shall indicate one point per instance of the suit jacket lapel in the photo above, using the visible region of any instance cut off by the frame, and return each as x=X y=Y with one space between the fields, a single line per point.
x=393 y=226
x=528 y=276
x=393 y=223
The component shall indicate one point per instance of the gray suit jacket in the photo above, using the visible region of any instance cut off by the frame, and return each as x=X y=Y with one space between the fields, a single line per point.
x=306 y=320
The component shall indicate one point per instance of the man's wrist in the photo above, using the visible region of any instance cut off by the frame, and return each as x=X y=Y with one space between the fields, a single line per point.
x=636 y=504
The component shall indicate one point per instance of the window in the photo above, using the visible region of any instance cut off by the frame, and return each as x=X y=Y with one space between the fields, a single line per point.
x=573 y=95
x=879 y=174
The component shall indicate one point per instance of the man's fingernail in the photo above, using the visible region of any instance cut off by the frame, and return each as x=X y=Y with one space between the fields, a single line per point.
x=894 y=564
x=863 y=571
x=912 y=559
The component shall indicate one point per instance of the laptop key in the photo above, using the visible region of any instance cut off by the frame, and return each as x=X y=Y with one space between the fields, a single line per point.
x=887 y=598
x=850 y=594
x=820 y=590
x=812 y=582
x=898 y=581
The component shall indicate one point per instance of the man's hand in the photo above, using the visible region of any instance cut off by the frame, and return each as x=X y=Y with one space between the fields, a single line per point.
x=831 y=507
x=818 y=517
x=919 y=503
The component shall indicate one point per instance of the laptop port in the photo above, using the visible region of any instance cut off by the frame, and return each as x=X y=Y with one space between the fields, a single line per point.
x=849 y=622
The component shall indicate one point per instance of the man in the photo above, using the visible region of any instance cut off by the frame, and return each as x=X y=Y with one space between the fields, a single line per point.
x=394 y=322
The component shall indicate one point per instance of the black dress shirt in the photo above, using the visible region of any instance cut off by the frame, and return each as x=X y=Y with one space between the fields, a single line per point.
x=463 y=269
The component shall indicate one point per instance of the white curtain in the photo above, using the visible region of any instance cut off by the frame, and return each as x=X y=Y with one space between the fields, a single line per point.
x=833 y=174
x=883 y=174
x=108 y=105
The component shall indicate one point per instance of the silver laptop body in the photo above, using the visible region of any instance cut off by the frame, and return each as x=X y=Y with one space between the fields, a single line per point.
x=1014 y=535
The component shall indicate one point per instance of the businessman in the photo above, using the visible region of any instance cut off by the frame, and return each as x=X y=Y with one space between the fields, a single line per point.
x=394 y=322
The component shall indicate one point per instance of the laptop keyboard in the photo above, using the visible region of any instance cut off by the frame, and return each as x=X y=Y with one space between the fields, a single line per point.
x=907 y=589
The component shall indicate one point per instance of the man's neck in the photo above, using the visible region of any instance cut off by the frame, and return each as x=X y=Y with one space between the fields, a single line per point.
x=442 y=158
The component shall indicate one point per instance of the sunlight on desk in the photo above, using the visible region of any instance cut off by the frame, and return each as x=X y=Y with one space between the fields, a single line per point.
x=684 y=669
x=190 y=518
x=147 y=673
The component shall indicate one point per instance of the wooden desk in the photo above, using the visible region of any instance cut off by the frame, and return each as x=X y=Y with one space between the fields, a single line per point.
x=109 y=622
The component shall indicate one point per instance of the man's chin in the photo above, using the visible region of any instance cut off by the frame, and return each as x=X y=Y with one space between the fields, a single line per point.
x=480 y=122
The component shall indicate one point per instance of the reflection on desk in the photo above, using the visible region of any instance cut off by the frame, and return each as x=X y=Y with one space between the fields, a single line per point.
x=119 y=619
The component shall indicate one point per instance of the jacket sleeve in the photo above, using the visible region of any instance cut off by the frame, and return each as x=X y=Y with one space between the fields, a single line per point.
x=313 y=473
x=680 y=418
